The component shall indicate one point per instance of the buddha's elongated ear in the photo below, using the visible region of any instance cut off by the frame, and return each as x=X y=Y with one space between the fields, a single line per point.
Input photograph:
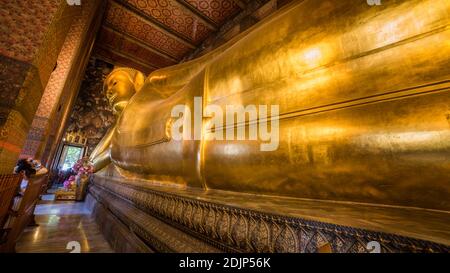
x=139 y=80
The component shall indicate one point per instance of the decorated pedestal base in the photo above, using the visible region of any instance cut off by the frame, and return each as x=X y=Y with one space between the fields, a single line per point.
x=75 y=192
x=68 y=191
x=140 y=216
x=81 y=187
x=75 y=186
x=64 y=194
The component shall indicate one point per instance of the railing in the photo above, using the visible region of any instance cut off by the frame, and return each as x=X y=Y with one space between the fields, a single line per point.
x=22 y=212
x=9 y=183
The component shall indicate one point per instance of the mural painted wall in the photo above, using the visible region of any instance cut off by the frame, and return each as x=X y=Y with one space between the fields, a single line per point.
x=92 y=116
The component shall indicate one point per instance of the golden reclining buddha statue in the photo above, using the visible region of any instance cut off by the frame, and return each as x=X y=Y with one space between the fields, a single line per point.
x=363 y=97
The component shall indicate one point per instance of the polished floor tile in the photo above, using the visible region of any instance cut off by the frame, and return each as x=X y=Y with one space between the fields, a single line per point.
x=63 y=226
x=62 y=208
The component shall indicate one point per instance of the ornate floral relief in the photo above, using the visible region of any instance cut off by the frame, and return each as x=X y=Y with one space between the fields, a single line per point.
x=210 y=220
x=222 y=227
x=259 y=235
x=285 y=241
x=239 y=232
x=238 y=229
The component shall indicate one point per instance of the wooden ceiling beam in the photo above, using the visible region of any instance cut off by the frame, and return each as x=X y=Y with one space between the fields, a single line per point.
x=127 y=56
x=104 y=58
x=196 y=13
x=155 y=23
x=141 y=43
x=240 y=3
x=101 y=56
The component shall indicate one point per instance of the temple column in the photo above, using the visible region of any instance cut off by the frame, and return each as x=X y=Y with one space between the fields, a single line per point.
x=63 y=84
x=31 y=37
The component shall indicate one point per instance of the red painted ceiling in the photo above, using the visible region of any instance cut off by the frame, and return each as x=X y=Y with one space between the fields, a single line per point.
x=151 y=34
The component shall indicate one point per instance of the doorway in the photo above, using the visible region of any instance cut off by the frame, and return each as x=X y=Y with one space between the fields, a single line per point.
x=69 y=156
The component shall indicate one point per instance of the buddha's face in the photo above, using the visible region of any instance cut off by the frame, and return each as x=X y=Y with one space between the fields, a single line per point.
x=119 y=90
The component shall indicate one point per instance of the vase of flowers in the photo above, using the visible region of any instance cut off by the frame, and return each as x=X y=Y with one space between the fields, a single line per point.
x=83 y=168
x=70 y=183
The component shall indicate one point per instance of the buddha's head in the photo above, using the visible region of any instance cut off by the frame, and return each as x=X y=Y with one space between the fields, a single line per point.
x=120 y=85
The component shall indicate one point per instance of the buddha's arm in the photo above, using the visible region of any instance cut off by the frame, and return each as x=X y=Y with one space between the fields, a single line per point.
x=167 y=81
x=102 y=160
x=100 y=156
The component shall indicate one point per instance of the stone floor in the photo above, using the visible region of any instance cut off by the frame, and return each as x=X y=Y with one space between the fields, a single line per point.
x=62 y=227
